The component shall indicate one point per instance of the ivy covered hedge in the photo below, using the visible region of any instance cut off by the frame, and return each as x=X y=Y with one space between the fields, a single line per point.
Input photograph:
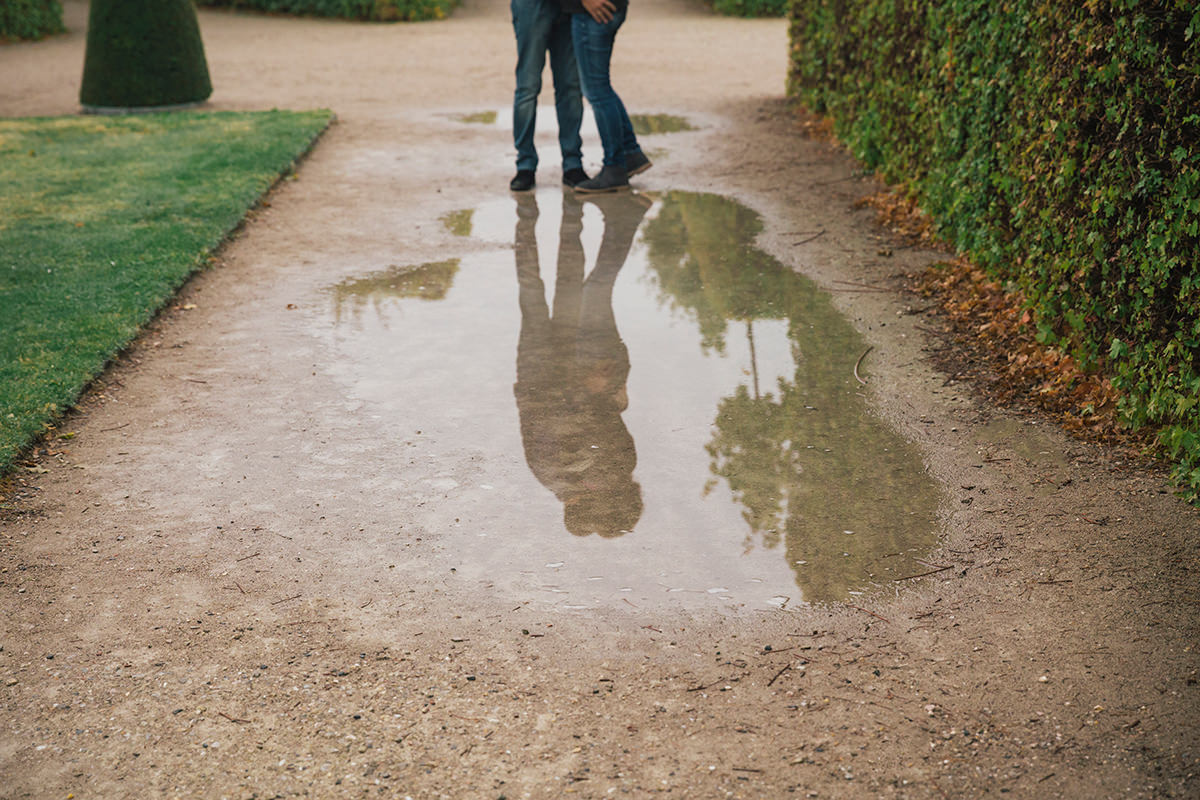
x=1055 y=144
x=375 y=10
x=29 y=19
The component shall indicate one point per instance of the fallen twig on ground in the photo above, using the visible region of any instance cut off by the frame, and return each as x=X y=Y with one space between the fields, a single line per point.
x=866 y=611
x=923 y=574
x=857 y=363
x=786 y=667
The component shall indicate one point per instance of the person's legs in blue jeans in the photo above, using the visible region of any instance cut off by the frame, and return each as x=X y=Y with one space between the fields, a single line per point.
x=540 y=25
x=593 y=50
x=568 y=97
x=532 y=22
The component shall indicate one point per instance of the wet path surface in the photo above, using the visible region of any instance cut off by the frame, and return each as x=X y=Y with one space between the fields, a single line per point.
x=648 y=409
x=420 y=493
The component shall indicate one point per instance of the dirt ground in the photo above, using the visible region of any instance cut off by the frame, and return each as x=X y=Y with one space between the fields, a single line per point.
x=210 y=589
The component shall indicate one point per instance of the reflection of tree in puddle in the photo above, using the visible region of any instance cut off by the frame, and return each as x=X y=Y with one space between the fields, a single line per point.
x=425 y=282
x=805 y=458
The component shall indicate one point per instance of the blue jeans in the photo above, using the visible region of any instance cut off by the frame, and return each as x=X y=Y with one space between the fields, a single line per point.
x=541 y=26
x=593 y=49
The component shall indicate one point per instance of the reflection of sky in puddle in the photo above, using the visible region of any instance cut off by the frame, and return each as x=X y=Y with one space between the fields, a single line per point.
x=680 y=426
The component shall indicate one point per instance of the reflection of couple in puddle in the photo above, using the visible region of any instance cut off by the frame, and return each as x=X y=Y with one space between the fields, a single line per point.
x=572 y=367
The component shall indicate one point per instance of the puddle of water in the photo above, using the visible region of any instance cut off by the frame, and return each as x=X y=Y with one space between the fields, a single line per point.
x=647 y=124
x=643 y=124
x=459 y=222
x=634 y=405
x=425 y=282
x=478 y=118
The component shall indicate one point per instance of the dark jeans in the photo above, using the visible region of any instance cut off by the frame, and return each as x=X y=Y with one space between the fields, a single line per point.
x=593 y=50
x=541 y=26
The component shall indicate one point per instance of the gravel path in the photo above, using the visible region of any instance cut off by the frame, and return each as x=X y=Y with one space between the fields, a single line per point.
x=223 y=587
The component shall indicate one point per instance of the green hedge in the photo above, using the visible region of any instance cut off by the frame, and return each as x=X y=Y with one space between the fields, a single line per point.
x=751 y=8
x=1056 y=144
x=376 y=10
x=29 y=19
x=143 y=54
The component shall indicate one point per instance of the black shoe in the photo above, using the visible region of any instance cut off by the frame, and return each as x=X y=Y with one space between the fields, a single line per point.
x=522 y=181
x=637 y=163
x=574 y=177
x=610 y=179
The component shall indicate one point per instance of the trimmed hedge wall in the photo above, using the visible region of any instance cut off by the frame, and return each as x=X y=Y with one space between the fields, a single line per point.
x=1055 y=144
x=29 y=19
x=751 y=8
x=375 y=10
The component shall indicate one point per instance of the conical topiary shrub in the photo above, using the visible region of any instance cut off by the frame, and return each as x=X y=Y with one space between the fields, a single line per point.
x=143 y=54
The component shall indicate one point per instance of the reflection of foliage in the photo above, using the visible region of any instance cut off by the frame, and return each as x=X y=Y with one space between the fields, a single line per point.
x=808 y=461
x=425 y=282
x=703 y=264
x=747 y=454
x=647 y=124
x=459 y=222
x=479 y=118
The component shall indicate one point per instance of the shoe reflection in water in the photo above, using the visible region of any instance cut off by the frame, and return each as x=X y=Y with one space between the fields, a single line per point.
x=572 y=367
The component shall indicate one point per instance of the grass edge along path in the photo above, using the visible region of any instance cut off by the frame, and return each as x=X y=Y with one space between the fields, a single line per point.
x=102 y=220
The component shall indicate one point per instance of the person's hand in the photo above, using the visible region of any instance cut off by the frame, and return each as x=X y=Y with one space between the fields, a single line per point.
x=600 y=10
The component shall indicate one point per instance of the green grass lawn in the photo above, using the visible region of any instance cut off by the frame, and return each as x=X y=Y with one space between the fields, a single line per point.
x=102 y=219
